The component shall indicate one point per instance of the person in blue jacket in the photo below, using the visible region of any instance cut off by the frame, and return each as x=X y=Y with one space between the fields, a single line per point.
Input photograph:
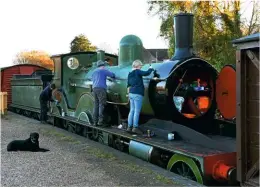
x=135 y=87
x=99 y=77
x=45 y=96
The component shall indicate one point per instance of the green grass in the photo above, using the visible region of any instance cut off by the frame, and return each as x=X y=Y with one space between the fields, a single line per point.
x=62 y=136
x=136 y=168
x=166 y=180
x=100 y=154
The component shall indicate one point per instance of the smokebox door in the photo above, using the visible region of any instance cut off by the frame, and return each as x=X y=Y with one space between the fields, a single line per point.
x=226 y=92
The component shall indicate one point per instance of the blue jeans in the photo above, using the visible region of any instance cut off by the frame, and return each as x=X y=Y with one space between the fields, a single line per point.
x=136 y=102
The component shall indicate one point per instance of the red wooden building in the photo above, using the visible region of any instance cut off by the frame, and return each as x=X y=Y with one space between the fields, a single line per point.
x=8 y=72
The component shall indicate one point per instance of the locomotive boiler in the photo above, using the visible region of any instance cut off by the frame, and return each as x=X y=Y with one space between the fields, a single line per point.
x=181 y=89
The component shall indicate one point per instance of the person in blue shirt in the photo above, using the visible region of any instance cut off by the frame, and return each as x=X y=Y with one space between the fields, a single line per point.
x=99 y=77
x=135 y=87
x=45 y=96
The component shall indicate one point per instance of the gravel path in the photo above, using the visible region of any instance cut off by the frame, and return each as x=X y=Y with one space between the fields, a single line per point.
x=72 y=160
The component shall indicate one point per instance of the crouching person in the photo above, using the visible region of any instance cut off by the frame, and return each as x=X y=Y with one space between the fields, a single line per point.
x=45 y=96
x=99 y=77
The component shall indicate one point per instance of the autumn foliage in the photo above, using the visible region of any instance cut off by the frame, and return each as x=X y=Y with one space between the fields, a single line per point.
x=216 y=24
x=40 y=58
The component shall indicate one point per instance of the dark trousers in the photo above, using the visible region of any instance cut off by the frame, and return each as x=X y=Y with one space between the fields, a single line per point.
x=100 y=96
x=44 y=110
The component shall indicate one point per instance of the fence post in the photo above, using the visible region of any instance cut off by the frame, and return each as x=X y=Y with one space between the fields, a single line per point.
x=3 y=103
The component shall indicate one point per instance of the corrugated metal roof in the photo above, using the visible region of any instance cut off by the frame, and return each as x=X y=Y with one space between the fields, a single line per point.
x=249 y=38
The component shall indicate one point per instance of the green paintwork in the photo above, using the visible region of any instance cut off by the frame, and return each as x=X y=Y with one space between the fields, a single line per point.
x=79 y=81
x=189 y=161
x=57 y=71
x=130 y=49
x=117 y=86
x=76 y=76
x=26 y=92
x=100 y=55
x=86 y=105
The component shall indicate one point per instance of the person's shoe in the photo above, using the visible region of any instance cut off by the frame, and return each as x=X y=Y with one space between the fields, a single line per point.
x=43 y=122
x=129 y=129
x=137 y=130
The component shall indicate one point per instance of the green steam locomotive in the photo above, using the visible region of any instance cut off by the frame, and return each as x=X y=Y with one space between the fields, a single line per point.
x=180 y=96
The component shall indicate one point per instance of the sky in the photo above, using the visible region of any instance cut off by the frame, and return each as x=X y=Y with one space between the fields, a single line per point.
x=50 y=25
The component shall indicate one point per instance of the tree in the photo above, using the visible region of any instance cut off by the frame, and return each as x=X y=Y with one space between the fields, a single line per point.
x=40 y=58
x=252 y=25
x=81 y=43
x=217 y=22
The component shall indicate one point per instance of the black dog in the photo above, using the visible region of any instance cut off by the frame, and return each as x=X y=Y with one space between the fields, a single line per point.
x=30 y=144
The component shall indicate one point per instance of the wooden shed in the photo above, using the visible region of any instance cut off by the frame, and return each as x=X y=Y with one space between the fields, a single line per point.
x=247 y=121
x=8 y=72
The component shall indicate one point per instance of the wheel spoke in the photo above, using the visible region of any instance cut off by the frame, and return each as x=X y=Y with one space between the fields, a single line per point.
x=192 y=177
x=179 y=171
x=189 y=174
x=183 y=168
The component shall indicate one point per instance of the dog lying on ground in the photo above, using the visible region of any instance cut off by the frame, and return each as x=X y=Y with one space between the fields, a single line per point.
x=30 y=144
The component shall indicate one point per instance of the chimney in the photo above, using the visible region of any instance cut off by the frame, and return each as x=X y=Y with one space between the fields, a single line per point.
x=183 y=31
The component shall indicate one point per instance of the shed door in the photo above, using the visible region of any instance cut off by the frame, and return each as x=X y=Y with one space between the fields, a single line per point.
x=248 y=116
x=252 y=117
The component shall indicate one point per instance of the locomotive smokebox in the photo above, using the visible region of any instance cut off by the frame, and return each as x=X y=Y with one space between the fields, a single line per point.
x=183 y=31
x=185 y=92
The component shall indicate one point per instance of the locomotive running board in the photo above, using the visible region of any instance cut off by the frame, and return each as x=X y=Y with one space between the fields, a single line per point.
x=163 y=127
x=175 y=146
